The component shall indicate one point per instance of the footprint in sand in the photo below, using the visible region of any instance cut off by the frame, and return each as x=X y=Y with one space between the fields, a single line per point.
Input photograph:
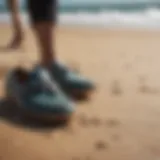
x=115 y=137
x=95 y=121
x=112 y=123
x=85 y=121
x=142 y=79
x=128 y=66
x=144 y=88
x=101 y=145
x=155 y=150
x=116 y=88
x=148 y=90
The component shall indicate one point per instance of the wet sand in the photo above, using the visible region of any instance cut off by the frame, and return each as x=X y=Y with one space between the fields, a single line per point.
x=120 y=122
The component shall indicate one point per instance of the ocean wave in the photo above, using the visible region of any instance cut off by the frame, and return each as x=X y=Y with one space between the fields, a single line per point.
x=95 y=6
x=149 y=18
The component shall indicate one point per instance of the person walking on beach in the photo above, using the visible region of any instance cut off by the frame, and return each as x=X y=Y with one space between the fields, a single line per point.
x=43 y=91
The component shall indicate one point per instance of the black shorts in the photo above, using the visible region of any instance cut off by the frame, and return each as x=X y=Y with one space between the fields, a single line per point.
x=42 y=10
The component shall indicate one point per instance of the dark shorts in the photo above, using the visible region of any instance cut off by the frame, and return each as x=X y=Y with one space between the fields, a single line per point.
x=42 y=10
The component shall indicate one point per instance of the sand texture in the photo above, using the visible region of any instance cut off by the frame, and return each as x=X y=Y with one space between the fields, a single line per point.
x=121 y=122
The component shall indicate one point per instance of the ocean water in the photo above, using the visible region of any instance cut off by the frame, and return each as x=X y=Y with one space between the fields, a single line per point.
x=101 y=13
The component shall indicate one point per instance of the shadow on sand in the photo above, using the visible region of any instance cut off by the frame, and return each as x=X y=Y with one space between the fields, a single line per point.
x=10 y=114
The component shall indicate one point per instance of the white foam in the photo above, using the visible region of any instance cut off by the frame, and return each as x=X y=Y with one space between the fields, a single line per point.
x=145 y=19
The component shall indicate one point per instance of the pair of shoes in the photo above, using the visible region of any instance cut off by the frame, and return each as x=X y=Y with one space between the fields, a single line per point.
x=40 y=94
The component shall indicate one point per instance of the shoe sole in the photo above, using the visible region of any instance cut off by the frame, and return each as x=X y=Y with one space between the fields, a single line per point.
x=81 y=95
x=48 y=118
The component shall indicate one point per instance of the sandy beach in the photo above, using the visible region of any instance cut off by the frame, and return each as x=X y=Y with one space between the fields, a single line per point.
x=121 y=122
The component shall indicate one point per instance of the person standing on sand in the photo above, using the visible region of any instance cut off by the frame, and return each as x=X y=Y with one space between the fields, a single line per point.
x=43 y=89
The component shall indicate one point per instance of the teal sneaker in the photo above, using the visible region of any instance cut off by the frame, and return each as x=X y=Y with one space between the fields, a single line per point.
x=72 y=82
x=38 y=95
